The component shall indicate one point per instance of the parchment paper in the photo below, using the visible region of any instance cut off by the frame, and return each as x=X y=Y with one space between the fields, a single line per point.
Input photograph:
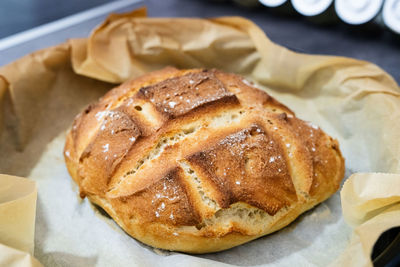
x=353 y=101
x=17 y=221
x=371 y=203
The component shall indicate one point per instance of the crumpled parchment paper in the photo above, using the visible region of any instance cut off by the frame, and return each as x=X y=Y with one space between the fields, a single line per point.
x=352 y=100
x=17 y=221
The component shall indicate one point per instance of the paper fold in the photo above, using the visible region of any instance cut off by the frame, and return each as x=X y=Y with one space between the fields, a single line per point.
x=371 y=204
x=17 y=221
x=352 y=100
x=366 y=195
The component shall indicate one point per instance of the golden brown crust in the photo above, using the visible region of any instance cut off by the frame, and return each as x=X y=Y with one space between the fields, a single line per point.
x=199 y=160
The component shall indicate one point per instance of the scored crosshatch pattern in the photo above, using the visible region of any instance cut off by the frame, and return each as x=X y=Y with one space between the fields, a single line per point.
x=199 y=152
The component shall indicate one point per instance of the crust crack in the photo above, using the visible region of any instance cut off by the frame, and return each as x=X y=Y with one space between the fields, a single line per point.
x=194 y=177
x=167 y=140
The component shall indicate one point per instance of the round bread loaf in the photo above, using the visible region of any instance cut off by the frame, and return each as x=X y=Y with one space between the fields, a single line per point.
x=199 y=160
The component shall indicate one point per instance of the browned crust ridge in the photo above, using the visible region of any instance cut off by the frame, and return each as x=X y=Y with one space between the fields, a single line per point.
x=199 y=160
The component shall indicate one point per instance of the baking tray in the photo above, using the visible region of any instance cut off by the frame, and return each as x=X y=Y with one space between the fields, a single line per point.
x=387 y=249
x=74 y=26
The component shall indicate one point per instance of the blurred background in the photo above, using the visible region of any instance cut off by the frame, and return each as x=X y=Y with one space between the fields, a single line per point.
x=363 y=29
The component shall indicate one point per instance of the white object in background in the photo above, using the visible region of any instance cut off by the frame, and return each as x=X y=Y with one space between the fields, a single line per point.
x=311 y=7
x=357 y=12
x=391 y=15
x=272 y=3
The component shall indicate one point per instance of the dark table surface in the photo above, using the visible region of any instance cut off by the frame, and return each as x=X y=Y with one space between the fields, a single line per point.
x=297 y=33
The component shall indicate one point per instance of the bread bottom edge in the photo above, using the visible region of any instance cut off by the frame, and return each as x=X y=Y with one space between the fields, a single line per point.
x=159 y=237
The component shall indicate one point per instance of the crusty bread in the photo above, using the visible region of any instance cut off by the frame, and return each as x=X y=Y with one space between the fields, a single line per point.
x=199 y=160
